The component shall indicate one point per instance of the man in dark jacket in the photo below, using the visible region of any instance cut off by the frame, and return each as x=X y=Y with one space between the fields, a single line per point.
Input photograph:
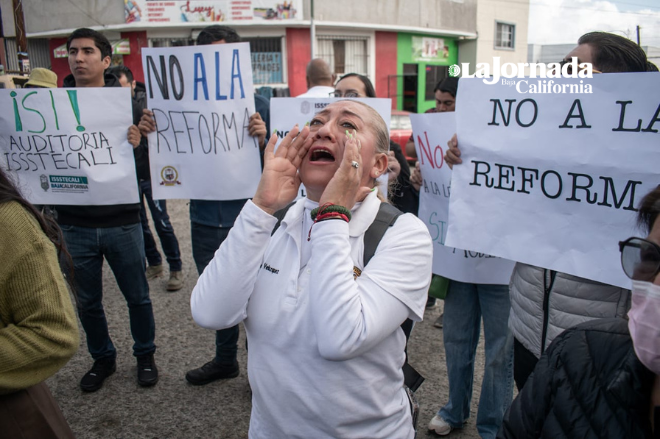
x=113 y=232
x=589 y=383
x=158 y=208
x=211 y=222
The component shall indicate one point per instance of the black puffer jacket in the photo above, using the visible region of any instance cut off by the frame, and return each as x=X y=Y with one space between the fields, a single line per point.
x=588 y=384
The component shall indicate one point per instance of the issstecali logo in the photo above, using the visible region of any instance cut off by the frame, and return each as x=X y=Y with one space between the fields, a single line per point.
x=169 y=176
x=71 y=184
x=530 y=77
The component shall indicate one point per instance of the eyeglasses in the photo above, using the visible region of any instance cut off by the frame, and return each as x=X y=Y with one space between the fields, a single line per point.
x=640 y=258
x=348 y=94
x=569 y=70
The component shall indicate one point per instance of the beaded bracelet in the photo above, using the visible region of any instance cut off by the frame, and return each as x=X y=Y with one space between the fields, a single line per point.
x=329 y=207
x=330 y=215
x=328 y=211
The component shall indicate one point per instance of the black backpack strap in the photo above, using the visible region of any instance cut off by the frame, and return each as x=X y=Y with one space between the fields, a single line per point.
x=280 y=216
x=386 y=217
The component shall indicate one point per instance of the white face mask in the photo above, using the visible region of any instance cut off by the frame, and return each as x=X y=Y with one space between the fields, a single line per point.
x=644 y=324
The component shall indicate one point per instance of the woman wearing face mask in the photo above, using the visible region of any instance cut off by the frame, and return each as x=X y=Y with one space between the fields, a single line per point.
x=326 y=347
x=402 y=194
x=602 y=378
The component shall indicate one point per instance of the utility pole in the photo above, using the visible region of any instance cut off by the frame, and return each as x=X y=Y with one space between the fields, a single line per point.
x=312 y=31
x=3 y=55
x=638 y=42
x=21 y=38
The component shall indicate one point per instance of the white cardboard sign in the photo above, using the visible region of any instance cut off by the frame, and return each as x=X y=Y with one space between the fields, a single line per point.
x=431 y=132
x=202 y=98
x=62 y=150
x=554 y=179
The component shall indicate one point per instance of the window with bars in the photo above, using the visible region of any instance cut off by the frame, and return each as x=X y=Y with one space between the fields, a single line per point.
x=344 y=54
x=266 y=56
x=266 y=60
x=505 y=36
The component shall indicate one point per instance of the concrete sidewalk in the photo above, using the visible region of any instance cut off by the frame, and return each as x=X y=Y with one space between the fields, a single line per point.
x=175 y=409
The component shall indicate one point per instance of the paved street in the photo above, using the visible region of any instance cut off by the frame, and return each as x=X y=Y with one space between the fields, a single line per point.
x=175 y=409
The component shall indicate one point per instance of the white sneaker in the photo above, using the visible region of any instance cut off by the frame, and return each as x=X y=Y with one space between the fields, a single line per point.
x=440 y=426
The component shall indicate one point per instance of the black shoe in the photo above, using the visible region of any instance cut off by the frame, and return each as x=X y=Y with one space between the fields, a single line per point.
x=102 y=369
x=147 y=372
x=212 y=371
x=430 y=302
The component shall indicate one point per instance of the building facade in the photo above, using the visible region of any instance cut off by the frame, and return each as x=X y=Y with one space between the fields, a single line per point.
x=404 y=47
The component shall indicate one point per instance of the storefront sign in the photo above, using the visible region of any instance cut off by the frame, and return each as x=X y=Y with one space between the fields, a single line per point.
x=211 y=11
x=121 y=47
x=429 y=49
x=267 y=67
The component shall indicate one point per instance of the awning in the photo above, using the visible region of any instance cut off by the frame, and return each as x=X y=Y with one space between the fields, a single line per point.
x=121 y=47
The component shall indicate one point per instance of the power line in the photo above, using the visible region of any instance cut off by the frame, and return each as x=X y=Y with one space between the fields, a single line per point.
x=85 y=13
x=637 y=4
x=522 y=3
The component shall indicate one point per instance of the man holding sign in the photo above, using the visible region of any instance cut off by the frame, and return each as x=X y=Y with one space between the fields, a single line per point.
x=546 y=302
x=477 y=290
x=212 y=220
x=111 y=231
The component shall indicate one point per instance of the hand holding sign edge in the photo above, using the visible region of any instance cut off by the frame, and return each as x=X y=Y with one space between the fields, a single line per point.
x=453 y=155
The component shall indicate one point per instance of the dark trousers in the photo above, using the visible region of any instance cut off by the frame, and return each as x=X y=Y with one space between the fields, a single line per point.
x=163 y=227
x=205 y=241
x=122 y=247
x=524 y=362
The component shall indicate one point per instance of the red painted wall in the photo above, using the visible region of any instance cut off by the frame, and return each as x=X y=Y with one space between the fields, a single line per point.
x=386 y=56
x=138 y=40
x=58 y=65
x=298 y=51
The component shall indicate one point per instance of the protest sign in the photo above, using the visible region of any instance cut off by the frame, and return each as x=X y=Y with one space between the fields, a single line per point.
x=285 y=113
x=202 y=98
x=62 y=150
x=431 y=133
x=552 y=174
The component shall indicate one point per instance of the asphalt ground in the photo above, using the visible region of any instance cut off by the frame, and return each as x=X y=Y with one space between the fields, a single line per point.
x=175 y=409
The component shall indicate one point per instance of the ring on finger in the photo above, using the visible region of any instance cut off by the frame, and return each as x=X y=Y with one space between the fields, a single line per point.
x=355 y=164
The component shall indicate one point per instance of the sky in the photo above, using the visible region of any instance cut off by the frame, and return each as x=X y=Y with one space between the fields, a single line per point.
x=563 y=21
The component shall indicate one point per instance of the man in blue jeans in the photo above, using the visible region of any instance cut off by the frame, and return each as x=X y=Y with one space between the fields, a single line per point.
x=211 y=222
x=158 y=208
x=210 y=225
x=465 y=305
x=114 y=232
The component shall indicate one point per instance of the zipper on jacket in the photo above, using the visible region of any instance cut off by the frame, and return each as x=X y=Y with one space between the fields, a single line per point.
x=548 y=282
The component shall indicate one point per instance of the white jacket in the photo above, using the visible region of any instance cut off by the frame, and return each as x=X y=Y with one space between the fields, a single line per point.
x=326 y=350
